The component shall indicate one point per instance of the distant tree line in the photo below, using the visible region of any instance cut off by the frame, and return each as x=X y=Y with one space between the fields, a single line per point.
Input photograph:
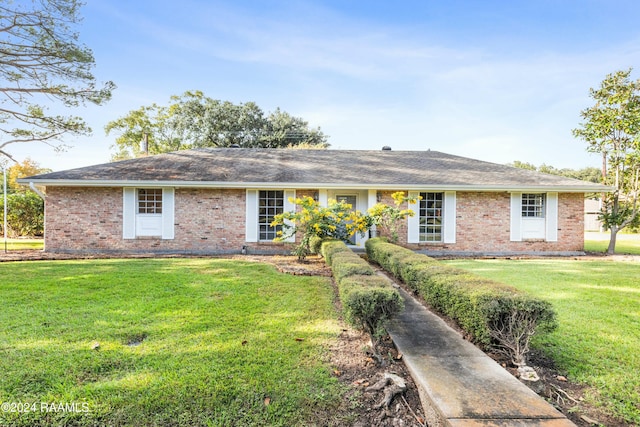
x=591 y=174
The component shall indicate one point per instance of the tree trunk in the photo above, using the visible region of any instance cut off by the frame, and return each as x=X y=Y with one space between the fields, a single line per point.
x=612 y=241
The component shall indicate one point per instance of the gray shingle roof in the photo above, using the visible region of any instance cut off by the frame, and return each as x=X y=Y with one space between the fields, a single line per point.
x=238 y=167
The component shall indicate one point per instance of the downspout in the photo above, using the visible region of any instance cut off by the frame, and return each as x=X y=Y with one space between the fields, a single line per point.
x=35 y=190
x=41 y=195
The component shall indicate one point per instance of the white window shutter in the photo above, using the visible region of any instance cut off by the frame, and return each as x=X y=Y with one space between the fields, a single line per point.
x=449 y=217
x=516 y=217
x=372 y=198
x=323 y=197
x=251 y=220
x=168 y=213
x=413 y=222
x=552 y=217
x=290 y=207
x=128 y=213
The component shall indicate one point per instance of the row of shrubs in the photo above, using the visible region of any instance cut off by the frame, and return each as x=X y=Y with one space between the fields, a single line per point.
x=368 y=300
x=491 y=313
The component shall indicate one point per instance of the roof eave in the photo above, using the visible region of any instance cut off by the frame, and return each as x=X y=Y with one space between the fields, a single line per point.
x=297 y=185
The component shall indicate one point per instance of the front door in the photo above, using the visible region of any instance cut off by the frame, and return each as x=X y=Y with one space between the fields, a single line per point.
x=351 y=200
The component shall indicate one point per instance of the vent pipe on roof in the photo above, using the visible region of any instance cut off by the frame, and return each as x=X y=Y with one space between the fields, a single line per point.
x=386 y=148
x=144 y=145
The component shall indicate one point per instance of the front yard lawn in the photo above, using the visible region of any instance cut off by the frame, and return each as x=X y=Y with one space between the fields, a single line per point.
x=598 y=305
x=165 y=342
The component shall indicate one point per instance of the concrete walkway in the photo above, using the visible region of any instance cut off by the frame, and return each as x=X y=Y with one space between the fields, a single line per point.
x=462 y=384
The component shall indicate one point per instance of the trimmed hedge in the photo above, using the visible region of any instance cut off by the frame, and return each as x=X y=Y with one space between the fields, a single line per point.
x=331 y=247
x=368 y=300
x=483 y=308
x=346 y=264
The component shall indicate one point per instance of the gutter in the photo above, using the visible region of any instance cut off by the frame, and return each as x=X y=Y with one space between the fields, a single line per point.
x=35 y=190
x=596 y=188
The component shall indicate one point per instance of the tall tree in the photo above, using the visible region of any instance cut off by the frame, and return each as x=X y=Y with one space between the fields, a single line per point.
x=194 y=120
x=42 y=60
x=612 y=128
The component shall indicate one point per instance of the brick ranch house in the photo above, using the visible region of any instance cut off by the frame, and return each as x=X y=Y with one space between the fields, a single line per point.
x=221 y=201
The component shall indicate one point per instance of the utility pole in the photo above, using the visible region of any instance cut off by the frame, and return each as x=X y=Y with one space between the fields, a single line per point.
x=4 y=225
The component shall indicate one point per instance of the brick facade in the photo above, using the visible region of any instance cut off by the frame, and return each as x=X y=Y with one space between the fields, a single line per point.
x=90 y=220
x=210 y=221
x=483 y=226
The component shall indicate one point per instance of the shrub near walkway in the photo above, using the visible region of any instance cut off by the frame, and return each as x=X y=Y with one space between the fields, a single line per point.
x=490 y=312
x=368 y=300
x=597 y=342
x=177 y=342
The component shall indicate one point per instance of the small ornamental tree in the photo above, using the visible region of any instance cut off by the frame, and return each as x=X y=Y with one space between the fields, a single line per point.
x=388 y=217
x=612 y=128
x=336 y=221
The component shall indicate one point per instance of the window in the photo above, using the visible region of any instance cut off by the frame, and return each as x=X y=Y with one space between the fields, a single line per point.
x=148 y=212
x=270 y=204
x=149 y=201
x=534 y=216
x=533 y=205
x=430 y=217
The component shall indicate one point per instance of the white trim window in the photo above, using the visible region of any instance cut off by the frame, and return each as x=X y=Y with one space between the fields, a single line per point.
x=270 y=204
x=262 y=207
x=533 y=205
x=534 y=216
x=148 y=212
x=435 y=217
x=150 y=201
x=430 y=217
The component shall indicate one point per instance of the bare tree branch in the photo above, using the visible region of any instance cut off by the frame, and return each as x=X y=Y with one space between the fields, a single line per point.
x=42 y=62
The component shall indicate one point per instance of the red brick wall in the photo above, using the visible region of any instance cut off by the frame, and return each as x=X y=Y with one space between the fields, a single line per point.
x=483 y=225
x=90 y=219
x=213 y=221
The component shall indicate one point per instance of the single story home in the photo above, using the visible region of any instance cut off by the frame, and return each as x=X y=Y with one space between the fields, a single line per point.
x=223 y=200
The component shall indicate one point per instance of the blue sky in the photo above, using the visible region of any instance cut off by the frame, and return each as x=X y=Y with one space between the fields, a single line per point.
x=493 y=80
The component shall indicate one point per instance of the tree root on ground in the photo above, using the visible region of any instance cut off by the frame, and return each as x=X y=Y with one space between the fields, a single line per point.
x=392 y=386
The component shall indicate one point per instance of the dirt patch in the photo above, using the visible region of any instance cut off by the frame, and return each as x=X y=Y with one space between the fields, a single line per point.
x=357 y=370
x=310 y=266
x=567 y=396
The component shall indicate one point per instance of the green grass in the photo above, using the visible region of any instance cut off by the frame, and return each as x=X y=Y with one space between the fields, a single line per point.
x=182 y=342
x=21 y=244
x=623 y=245
x=598 y=305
